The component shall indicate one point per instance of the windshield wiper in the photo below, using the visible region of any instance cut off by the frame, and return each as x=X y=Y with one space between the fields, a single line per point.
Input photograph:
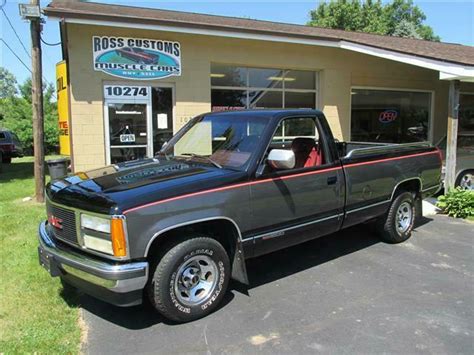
x=193 y=155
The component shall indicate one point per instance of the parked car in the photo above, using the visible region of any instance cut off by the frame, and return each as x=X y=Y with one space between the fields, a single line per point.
x=228 y=187
x=464 y=159
x=10 y=146
x=138 y=55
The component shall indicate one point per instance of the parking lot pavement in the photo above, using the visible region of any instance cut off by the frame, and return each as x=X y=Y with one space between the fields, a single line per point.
x=344 y=293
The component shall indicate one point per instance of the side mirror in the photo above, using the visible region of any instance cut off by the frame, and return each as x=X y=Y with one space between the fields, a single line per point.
x=281 y=159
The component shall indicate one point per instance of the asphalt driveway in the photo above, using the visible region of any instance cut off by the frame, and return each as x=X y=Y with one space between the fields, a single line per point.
x=344 y=293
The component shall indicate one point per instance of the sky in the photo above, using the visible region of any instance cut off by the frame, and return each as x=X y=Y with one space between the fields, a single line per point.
x=452 y=20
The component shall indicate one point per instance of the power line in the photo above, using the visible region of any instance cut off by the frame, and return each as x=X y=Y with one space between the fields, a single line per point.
x=26 y=66
x=16 y=55
x=16 y=34
x=50 y=44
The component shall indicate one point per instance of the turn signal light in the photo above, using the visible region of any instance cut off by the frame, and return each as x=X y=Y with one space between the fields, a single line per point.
x=119 y=243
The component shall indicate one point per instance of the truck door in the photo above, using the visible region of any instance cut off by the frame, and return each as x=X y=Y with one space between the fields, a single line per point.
x=294 y=205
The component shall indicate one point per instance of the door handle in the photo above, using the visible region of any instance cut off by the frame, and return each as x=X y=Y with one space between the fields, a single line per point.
x=332 y=180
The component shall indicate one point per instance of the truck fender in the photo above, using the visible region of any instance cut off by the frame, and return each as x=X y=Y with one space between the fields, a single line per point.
x=239 y=270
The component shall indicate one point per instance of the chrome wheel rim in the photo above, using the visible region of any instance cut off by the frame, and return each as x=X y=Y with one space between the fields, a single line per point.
x=404 y=217
x=466 y=182
x=196 y=280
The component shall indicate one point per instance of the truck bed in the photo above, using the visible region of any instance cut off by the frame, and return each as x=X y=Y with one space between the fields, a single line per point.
x=361 y=150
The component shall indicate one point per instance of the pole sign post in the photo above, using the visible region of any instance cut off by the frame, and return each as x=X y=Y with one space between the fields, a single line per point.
x=136 y=58
x=63 y=108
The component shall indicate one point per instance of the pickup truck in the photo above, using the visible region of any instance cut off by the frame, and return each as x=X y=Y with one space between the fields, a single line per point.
x=227 y=187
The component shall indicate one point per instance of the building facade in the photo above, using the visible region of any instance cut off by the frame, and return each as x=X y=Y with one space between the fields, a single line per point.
x=133 y=83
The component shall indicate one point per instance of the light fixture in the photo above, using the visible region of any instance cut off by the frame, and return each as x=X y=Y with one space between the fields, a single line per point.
x=128 y=112
x=217 y=75
x=279 y=78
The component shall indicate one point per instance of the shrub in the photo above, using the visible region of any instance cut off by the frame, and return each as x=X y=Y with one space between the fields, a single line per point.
x=457 y=203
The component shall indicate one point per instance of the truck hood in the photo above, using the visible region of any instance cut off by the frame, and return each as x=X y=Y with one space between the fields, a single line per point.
x=116 y=188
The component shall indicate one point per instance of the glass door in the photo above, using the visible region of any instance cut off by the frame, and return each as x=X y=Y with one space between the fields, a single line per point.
x=128 y=136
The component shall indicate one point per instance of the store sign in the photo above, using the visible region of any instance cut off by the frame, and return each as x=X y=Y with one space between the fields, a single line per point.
x=388 y=116
x=126 y=92
x=127 y=138
x=136 y=58
x=63 y=108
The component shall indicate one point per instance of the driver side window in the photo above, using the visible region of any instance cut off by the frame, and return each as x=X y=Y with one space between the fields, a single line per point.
x=301 y=136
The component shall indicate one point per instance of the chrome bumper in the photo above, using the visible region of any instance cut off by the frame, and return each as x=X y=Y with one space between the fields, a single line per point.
x=117 y=278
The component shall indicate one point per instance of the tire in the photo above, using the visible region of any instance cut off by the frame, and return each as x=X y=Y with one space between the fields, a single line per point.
x=465 y=180
x=396 y=226
x=6 y=160
x=178 y=289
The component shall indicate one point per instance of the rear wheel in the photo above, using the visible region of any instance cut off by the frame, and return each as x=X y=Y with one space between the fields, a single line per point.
x=396 y=226
x=190 y=280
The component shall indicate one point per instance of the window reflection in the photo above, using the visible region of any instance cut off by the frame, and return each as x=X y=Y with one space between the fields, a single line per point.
x=390 y=116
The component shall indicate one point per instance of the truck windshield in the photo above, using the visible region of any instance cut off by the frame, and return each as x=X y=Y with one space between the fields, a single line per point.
x=221 y=140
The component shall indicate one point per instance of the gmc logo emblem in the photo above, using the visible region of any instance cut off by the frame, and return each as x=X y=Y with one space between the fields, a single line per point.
x=55 y=222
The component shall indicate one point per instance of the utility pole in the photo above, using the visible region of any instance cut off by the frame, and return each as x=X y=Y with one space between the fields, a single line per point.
x=37 y=102
x=452 y=134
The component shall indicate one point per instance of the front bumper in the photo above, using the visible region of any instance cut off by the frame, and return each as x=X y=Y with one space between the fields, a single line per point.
x=117 y=283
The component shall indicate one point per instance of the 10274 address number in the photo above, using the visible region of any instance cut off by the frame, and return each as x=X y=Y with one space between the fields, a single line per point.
x=126 y=91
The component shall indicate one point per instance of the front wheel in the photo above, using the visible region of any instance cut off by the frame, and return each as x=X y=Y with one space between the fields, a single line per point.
x=396 y=226
x=190 y=280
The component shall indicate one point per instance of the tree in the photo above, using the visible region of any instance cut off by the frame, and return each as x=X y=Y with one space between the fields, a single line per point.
x=17 y=116
x=396 y=18
x=7 y=84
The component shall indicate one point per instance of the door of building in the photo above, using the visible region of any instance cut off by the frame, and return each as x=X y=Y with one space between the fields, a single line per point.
x=138 y=121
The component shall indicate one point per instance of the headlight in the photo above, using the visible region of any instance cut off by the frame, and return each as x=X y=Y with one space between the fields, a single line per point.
x=99 y=244
x=112 y=237
x=95 y=223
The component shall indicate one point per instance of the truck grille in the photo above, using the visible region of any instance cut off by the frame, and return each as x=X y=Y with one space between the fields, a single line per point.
x=63 y=223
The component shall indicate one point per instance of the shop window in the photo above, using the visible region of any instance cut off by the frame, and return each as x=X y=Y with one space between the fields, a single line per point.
x=265 y=99
x=235 y=88
x=228 y=100
x=300 y=100
x=266 y=78
x=466 y=112
x=162 y=116
x=300 y=79
x=390 y=116
x=224 y=75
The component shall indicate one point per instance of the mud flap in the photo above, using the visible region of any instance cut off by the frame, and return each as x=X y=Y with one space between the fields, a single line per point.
x=418 y=208
x=239 y=270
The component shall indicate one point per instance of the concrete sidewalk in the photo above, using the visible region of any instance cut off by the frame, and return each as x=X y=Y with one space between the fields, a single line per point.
x=344 y=293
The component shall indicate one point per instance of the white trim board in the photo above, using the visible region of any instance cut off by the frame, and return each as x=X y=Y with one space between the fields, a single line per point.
x=448 y=71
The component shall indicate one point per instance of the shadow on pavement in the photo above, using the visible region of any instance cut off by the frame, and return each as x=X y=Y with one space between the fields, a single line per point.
x=261 y=270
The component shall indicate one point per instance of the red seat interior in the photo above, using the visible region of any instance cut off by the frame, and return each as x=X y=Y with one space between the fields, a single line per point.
x=307 y=152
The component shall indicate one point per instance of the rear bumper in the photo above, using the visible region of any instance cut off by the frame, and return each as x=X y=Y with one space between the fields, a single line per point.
x=119 y=284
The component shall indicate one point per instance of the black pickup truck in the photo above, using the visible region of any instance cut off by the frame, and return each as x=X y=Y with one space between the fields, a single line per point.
x=227 y=187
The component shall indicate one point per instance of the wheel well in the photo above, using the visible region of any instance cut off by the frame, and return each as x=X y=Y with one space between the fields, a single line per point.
x=412 y=185
x=222 y=230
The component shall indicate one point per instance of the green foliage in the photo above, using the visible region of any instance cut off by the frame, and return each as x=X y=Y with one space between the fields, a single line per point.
x=457 y=203
x=7 y=83
x=36 y=315
x=396 y=18
x=406 y=29
x=16 y=112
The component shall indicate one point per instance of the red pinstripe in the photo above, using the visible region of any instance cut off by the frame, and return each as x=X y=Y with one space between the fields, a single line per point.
x=256 y=182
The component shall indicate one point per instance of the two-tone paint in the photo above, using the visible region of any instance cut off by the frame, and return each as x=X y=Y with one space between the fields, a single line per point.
x=265 y=210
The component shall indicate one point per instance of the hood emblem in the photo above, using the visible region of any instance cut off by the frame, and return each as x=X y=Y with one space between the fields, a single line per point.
x=56 y=222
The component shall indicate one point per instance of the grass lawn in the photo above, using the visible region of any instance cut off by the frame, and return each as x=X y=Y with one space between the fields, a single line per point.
x=34 y=315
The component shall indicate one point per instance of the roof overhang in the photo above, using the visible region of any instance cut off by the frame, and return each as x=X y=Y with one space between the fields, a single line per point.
x=447 y=70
